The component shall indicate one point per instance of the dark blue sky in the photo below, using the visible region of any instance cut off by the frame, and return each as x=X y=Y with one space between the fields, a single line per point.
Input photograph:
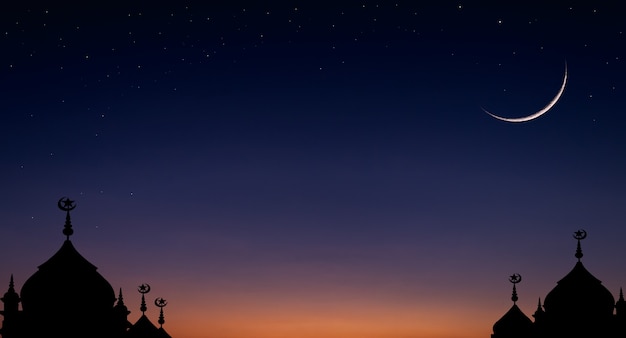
x=331 y=154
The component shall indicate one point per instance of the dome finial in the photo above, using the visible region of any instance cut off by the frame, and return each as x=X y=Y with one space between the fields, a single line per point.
x=515 y=278
x=579 y=235
x=143 y=289
x=67 y=205
x=160 y=302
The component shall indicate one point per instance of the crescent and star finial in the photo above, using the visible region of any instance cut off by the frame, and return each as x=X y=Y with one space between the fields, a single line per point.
x=160 y=302
x=144 y=288
x=579 y=235
x=515 y=278
x=67 y=205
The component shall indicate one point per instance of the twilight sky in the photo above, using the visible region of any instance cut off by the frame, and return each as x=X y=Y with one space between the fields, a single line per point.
x=308 y=170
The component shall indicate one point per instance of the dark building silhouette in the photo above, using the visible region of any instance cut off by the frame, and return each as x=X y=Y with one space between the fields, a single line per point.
x=67 y=297
x=579 y=306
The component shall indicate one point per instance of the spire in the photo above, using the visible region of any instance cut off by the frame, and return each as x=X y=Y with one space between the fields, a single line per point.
x=119 y=306
x=579 y=235
x=143 y=289
x=620 y=305
x=515 y=278
x=12 y=285
x=67 y=205
x=120 y=299
x=11 y=291
x=120 y=312
x=160 y=302
x=10 y=299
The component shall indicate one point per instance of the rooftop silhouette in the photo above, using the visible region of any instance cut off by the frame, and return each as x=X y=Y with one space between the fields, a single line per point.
x=67 y=297
x=579 y=306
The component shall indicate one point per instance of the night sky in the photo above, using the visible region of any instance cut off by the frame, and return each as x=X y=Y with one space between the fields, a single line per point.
x=315 y=170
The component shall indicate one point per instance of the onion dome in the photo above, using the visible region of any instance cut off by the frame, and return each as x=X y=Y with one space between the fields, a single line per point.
x=67 y=291
x=514 y=323
x=579 y=301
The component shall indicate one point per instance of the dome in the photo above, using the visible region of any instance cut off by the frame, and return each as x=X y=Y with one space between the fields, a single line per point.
x=67 y=279
x=578 y=295
x=514 y=323
x=67 y=292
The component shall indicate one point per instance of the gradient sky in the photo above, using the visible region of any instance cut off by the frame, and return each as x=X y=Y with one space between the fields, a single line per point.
x=307 y=170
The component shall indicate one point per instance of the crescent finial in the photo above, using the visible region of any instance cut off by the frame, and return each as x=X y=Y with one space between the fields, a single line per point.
x=143 y=288
x=160 y=302
x=515 y=278
x=580 y=234
x=67 y=205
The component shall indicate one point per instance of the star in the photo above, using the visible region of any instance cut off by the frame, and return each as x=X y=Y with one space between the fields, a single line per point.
x=68 y=203
x=580 y=234
x=144 y=288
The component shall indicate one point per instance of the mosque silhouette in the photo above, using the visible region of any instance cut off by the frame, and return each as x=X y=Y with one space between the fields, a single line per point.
x=579 y=306
x=68 y=298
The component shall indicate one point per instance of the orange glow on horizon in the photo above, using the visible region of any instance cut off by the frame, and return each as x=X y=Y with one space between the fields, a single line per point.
x=283 y=320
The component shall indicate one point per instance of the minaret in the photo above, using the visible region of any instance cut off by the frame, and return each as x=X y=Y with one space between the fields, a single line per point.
x=11 y=299
x=10 y=313
x=120 y=314
x=620 y=307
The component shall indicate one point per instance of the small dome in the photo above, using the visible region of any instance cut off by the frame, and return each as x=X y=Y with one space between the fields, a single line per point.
x=579 y=295
x=514 y=323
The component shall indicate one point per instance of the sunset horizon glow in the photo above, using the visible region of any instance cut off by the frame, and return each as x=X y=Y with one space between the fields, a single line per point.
x=316 y=170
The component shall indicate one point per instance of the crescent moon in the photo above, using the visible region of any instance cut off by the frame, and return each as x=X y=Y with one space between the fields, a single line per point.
x=538 y=113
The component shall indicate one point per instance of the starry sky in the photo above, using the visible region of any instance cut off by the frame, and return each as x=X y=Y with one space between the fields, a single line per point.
x=303 y=169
